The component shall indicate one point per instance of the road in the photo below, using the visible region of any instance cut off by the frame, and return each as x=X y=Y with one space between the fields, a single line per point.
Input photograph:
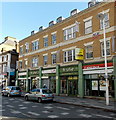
x=17 y=107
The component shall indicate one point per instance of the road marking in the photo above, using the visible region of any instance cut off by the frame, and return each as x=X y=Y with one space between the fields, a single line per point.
x=103 y=116
x=23 y=108
x=53 y=116
x=10 y=106
x=26 y=102
x=48 y=107
x=34 y=106
x=45 y=111
x=81 y=110
x=85 y=115
x=20 y=105
x=64 y=113
x=33 y=113
x=63 y=108
x=15 y=112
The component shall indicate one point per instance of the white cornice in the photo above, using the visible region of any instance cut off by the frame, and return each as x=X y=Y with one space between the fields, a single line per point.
x=89 y=43
x=89 y=18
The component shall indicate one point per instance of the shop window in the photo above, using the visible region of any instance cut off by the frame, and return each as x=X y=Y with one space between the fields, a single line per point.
x=106 y=21
x=107 y=48
x=53 y=39
x=35 y=45
x=69 y=55
x=45 y=59
x=70 y=33
x=53 y=58
x=63 y=86
x=89 y=52
x=46 y=42
x=88 y=26
x=34 y=62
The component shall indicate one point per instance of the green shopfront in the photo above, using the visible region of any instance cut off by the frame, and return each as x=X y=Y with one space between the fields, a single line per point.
x=69 y=80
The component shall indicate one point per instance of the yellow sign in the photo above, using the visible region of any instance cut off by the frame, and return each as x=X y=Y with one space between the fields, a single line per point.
x=79 y=54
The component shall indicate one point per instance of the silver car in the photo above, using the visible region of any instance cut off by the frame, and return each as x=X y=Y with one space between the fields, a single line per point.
x=11 y=91
x=40 y=95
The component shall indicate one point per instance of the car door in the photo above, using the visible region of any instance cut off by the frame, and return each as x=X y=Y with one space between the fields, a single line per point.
x=37 y=94
x=31 y=95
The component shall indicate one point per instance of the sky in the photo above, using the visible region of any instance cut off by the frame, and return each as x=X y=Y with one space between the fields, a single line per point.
x=18 y=19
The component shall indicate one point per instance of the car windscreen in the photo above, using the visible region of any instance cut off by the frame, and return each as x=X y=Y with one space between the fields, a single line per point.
x=16 y=88
x=46 y=91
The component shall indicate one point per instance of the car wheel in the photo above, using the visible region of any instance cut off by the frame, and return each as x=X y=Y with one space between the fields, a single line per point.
x=8 y=95
x=26 y=98
x=39 y=100
x=2 y=94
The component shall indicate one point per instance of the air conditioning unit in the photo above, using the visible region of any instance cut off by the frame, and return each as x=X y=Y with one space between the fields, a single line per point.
x=92 y=3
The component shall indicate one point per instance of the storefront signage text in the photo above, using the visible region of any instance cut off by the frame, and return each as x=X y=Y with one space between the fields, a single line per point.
x=69 y=69
x=49 y=71
x=31 y=73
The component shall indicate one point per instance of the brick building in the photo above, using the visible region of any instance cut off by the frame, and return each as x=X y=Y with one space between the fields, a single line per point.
x=48 y=56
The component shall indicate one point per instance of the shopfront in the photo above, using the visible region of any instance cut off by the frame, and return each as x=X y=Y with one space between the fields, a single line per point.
x=49 y=79
x=34 y=78
x=69 y=80
x=95 y=83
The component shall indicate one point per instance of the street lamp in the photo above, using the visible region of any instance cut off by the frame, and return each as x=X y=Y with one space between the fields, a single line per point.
x=101 y=16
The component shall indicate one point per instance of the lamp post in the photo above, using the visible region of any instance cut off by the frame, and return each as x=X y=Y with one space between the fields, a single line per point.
x=101 y=16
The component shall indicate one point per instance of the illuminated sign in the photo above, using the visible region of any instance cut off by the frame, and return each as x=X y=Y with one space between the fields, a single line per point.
x=79 y=54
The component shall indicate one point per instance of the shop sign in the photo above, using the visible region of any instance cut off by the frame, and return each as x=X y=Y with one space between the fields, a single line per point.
x=68 y=69
x=70 y=73
x=94 y=85
x=34 y=73
x=96 y=66
x=22 y=73
x=79 y=54
x=95 y=35
x=72 y=78
x=12 y=73
x=49 y=71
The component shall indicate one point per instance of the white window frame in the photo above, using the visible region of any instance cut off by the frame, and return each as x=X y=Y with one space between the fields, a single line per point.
x=89 y=52
x=69 y=32
x=34 y=62
x=21 y=50
x=66 y=56
x=26 y=47
x=45 y=60
x=54 y=58
x=53 y=38
x=35 y=45
x=26 y=63
x=20 y=64
x=88 y=28
x=45 y=41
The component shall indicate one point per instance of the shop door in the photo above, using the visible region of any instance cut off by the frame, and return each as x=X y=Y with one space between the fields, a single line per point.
x=72 y=87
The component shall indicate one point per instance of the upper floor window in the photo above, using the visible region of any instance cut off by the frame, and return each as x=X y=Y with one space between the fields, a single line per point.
x=89 y=51
x=4 y=68
x=21 y=50
x=88 y=26
x=20 y=64
x=70 y=33
x=0 y=58
x=34 y=62
x=53 y=39
x=35 y=45
x=45 y=58
x=106 y=21
x=69 y=55
x=5 y=58
x=54 y=58
x=27 y=47
x=107 y=48
x=45 y=42
x=26 y=63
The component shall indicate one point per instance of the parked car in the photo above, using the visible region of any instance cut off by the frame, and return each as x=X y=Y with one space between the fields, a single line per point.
x=11 y=91
x=40 y=94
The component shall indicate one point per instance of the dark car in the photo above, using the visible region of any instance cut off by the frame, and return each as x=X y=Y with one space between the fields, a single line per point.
x=40 y=95
x=11 y=91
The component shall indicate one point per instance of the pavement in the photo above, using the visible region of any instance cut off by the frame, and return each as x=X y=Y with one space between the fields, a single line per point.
x=96 y=103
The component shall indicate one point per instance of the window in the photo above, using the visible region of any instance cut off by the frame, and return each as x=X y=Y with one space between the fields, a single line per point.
x=35 y=45
x=0 y=58
x=27 y=47
x=89 y=51
x=54 y=39
x=106 y=21
x=70 y=33
x=5 y=58
x=21 y=50
x=26 y=63
x=88 y=26
x=69 y=55
x=45 y=59
x=107 y=48
x=20 y=64
x=46 y=42
x=4 y=68
x=53 y=58
x=34 y=62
